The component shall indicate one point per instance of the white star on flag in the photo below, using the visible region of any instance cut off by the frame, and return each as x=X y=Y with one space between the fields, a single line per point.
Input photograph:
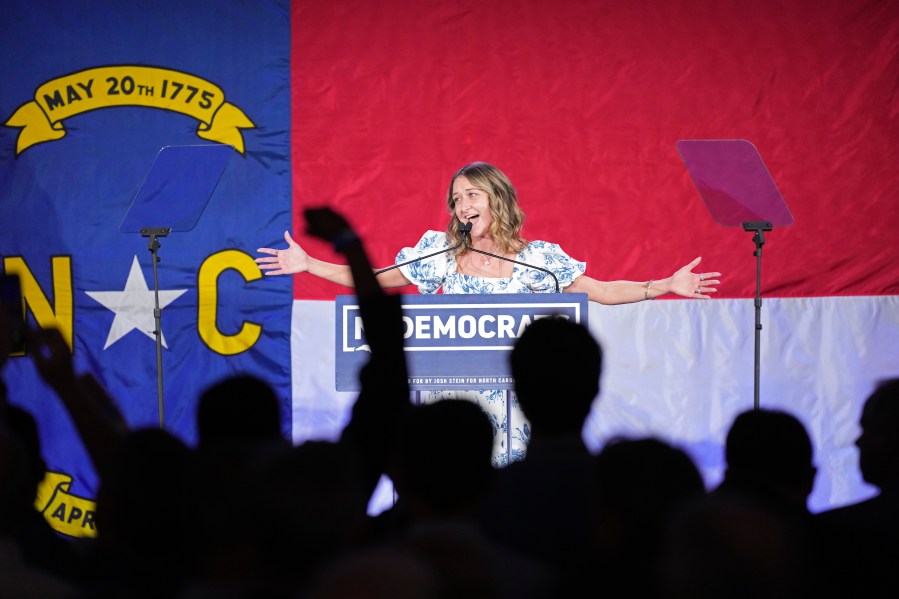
x=134 y=306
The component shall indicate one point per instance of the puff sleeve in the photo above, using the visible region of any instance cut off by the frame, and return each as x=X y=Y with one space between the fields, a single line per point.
x=551 y=257
x=430 y=273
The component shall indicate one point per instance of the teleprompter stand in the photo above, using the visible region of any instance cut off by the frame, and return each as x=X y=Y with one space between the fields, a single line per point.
x=172 y=197
x=739 y=192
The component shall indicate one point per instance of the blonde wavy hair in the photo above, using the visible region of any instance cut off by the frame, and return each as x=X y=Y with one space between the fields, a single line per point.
x=507 y=216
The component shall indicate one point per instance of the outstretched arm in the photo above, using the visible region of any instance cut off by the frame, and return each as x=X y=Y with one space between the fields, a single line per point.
x=330 y=226
x=294 y=259
x=684 y=282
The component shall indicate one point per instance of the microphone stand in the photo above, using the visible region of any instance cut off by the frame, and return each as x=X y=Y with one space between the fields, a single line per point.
x=449 y=249
x=463 y=229
x=546 y=270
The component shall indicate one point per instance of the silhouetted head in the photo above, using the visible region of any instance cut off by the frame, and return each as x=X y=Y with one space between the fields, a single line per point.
x=241 y=407
x=444 y=456
x=304 y=505
x=878 y=443
x=770 y=450
x=556 y=364
x=724 y=546
x=147 y=474
x=639 y=485
x=645 y=476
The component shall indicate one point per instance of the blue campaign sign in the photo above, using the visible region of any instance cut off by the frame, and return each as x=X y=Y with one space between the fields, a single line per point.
x=452 y=341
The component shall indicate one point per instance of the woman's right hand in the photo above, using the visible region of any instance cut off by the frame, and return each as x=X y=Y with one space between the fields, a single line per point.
x=288 y=261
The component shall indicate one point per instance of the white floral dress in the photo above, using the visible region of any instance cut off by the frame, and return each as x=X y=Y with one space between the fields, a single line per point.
x=436 y=272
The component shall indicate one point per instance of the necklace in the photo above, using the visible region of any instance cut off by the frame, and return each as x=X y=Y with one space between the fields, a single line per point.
x=486 y=261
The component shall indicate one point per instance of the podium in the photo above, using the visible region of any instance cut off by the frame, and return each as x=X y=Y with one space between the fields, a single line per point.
x=453 y=342
x=739 y=192
x=172 y=197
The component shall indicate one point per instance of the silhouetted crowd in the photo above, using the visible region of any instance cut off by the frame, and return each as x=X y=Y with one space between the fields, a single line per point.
x=247 y=514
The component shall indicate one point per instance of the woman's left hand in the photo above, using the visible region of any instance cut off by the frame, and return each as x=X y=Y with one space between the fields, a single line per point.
x=687 y=283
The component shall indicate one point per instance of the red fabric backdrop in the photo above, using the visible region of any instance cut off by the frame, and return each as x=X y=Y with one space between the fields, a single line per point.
x=581 y=104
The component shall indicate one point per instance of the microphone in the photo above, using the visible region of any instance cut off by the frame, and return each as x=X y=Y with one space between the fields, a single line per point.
x=462 y=229
x=467 y=230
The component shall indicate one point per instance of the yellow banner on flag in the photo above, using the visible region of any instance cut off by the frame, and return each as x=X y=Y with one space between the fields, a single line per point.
x=128 y=85
x=68 y=514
